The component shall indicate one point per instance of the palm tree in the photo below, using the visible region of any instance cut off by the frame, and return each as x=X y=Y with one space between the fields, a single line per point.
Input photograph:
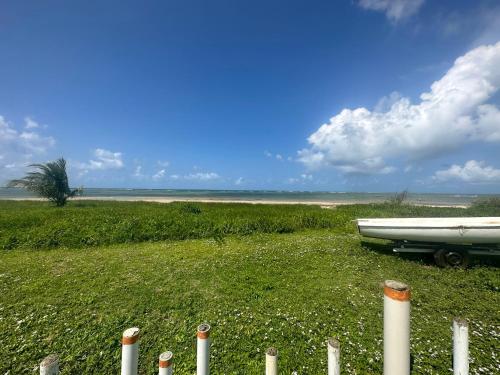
x=50 y=181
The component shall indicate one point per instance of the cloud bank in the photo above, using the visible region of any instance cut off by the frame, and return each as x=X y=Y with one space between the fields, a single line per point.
x=199 y=176
x=202 y=176
x=19 y=148
x=472 y=171
x=454 y=112
x=159 y=175
x=395 y=10
x=102 y=160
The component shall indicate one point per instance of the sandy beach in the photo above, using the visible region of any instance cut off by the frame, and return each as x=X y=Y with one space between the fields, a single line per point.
x=197 y=200
x=324 y=204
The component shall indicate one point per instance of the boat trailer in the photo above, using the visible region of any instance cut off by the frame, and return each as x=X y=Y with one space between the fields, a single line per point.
x=445 y=254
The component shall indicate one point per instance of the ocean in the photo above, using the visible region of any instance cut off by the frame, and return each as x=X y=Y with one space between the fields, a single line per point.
x=262 y=195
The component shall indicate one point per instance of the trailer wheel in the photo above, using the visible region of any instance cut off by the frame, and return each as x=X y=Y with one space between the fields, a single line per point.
x=439 y=258
x=452 y=258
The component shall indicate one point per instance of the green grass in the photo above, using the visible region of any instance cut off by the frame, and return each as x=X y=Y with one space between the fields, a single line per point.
x=257 y=289
x=37 y=225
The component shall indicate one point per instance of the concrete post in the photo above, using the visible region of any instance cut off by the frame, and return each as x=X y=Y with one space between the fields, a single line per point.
x=271 y=361
x=130 y=351
x=333 y=357
x=165 y=364
x=396 y=328
x=203 y=350
x=460 y=347
x=50 y=365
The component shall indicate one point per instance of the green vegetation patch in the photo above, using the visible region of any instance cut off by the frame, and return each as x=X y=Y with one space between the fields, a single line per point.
x=291 y=291
x=39 y=225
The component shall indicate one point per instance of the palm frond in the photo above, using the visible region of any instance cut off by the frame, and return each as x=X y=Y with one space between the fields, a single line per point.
x=49 y=180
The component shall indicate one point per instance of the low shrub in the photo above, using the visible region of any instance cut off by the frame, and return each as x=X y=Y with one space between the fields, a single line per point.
x=36 y=225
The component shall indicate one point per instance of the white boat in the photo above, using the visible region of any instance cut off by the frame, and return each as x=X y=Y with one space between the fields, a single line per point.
x=451 y=230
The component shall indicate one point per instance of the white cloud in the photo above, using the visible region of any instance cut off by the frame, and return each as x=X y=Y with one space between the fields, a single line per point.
x=106 y=159
x=159 y=175
x=202 y=176
x=276 y=156
x=103 y=159
x=472 y=171
x=454 y=112
x=35 y=142
x=138 y=172
x=198 y=176
x=302 y=179
x=30 y=123
x=20 y=148
x=367 y=166
x=395 y=10
x=23 y=141
x=163 y=163
x=386 y=102
x=239 y=181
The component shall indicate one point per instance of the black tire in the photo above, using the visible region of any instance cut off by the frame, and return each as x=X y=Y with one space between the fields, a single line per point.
x=451 y=258
x=439 y=258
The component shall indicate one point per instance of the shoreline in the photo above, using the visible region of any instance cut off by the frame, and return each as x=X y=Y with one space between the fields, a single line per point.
x=323 y=204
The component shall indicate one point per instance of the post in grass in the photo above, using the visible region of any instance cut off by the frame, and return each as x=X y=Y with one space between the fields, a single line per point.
x=203 y=350
x=165 y=363
x=271 y=361
x=333 y=357
x=396 y=328
x=460 y=347
x=130 y=351
x=50 y=365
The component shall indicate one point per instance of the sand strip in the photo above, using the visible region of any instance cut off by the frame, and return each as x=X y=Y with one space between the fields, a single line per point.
x=324 y=204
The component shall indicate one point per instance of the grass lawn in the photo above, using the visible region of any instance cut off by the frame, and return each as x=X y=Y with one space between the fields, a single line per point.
x=291 y=291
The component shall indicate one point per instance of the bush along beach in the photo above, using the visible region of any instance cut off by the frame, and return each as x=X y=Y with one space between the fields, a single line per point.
x=37 y=225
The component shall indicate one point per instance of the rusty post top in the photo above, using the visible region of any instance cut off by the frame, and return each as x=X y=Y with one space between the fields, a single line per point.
x=334 y=343
x=397 y=290
x=273 y=352
x=461 y=322
x=50 y=360
x=203 y=331
x=130 y=336
x=165 y=359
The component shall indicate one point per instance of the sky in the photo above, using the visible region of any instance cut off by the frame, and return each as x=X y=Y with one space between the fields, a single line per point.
x=334 y=95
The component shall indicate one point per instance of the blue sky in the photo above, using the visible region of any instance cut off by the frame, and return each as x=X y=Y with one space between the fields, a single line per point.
x=233 y=94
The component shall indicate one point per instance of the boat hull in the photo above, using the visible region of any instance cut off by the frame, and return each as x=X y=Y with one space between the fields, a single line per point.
x=446 y=230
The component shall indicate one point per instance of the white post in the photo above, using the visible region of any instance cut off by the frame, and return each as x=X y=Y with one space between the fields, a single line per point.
x=396 y=328
x=165 y=363
x=460 y=347
x=50 y=365
x=333 y=357
x=130 y=351
x=271 y=361
x=203 y=350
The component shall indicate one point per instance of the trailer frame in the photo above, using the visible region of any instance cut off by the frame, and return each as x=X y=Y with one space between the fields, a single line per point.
x=447 y=254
